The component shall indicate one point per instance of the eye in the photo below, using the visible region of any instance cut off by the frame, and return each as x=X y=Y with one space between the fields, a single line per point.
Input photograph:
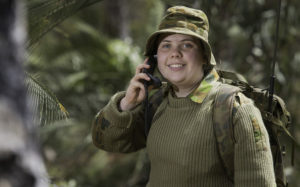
x=188 y=45
x=165 y=46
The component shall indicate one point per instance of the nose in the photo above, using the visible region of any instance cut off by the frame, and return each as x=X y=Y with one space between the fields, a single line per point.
x=175 y=53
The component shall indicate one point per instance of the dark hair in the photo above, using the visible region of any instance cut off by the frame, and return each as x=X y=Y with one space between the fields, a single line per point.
x=159 y=38
x=207 y=67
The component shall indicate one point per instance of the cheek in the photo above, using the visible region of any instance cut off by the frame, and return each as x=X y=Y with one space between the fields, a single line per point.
x=160 y=66
x=160 y=61
x=198 y=61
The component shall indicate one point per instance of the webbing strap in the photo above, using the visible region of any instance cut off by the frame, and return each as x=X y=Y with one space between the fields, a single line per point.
x=222 y=124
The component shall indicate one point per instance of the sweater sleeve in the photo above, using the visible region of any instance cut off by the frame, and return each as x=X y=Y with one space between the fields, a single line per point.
x=253 y=162
x=119 y=131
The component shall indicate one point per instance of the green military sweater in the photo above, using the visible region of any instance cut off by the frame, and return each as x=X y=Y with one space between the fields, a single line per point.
x=181 y=144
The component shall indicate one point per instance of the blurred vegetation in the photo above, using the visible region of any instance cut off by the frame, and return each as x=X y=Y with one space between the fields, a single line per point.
x=92 y=54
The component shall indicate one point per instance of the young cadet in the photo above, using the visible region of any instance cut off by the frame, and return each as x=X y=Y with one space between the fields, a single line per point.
x=181 y=143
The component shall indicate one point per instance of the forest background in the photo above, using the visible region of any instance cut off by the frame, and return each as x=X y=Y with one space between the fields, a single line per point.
x=92 y=54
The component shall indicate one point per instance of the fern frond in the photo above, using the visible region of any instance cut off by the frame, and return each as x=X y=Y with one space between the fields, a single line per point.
x=46 y=106
x=46 y=14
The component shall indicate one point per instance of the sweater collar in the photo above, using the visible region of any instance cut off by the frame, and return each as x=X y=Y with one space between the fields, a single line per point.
x=199 y=94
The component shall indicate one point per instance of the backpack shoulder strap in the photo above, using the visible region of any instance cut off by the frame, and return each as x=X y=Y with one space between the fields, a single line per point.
x=223 y=127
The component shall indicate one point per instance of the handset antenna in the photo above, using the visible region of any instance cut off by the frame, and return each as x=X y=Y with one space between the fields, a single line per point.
x=272 y=78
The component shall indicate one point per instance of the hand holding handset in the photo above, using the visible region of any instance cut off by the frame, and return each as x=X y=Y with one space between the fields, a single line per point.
x=135 y=93
x=155 y=82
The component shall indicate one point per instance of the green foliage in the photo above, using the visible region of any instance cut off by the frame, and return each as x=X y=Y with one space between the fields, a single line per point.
x=70 y=183
x=126 y=19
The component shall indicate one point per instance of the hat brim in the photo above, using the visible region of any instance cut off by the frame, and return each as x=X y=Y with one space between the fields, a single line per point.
x=151 y=45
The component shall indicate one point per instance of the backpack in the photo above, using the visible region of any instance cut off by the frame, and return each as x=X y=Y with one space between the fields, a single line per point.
x=276 y=121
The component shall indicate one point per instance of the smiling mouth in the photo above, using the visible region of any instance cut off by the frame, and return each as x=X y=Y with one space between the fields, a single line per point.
x=176 y=65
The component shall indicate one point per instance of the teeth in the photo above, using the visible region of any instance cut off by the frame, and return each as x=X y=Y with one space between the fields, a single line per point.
x=176 y=65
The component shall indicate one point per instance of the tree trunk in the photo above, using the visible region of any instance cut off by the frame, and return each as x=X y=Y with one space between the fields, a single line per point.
x=117 y=18
x=21 y=164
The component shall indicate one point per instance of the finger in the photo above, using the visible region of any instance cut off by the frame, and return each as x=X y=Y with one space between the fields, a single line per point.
x=141 y=96
x=140 y=93
x=136 y=85
x=141 y=76
x=136 y=92
x=140 y=67
x=145 y=61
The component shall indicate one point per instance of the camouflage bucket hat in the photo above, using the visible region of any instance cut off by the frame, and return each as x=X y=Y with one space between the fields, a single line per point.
x=183 y=20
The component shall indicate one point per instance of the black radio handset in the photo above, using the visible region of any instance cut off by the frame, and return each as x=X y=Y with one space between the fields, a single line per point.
x=156 y=83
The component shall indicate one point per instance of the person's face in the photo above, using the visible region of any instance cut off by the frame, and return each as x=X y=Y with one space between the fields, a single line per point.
x=180 y=60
